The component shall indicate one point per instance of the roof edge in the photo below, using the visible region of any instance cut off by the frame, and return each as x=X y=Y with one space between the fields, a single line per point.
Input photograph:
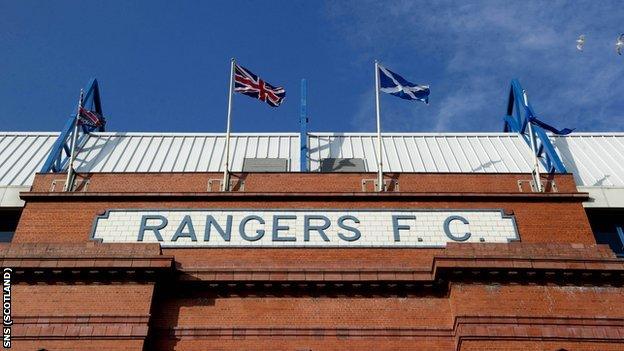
x=295 y=134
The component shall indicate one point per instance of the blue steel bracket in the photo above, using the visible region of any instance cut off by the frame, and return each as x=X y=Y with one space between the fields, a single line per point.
x=517 y=119
x=59 y=155
x=303 y=128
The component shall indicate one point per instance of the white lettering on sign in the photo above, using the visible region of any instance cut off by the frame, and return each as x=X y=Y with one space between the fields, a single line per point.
x=304 y=228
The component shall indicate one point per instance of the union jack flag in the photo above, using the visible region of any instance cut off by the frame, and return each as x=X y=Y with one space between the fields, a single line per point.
x=250 y=84
x=90 y=118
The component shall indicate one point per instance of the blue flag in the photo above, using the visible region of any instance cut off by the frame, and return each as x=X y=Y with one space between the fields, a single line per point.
x=392 y=83
x=548 y=127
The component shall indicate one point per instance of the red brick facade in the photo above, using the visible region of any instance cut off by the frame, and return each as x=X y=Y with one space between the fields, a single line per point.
x=555 y=289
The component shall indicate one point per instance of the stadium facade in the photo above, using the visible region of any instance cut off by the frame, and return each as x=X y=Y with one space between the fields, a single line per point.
x=145 y=252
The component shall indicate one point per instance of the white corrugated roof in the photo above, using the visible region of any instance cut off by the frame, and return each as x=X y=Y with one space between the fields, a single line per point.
x=181 y=152
x=427 y=152
x=22 y=154
x=595 y=159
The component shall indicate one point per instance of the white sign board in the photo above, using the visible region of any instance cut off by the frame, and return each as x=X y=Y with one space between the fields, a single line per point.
x=304 y=228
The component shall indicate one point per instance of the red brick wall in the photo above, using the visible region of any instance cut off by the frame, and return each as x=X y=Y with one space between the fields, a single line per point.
x=428 y=344
x=544 y=220
x=78 y=345
x=299 y=182
x=539 y=345
x=62 y=221
x=536 y=301
x=305 y=312
x=308 y=344
x=538 y=222
x=491 y=316
x=81 y=317
x=189 y=315
x=78 y=300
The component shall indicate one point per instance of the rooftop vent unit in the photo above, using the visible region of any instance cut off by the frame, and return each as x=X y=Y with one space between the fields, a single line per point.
x=343 y=165
x=265 y=165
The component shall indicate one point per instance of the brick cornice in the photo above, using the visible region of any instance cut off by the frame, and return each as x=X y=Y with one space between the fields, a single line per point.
x=346 y=196
x=490 y=328
x=84 y=256
x=80 y=327
x=440 y=266
x=462 y=328
x=508 y=261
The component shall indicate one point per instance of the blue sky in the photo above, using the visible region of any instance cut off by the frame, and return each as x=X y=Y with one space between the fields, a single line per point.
x=164 y=65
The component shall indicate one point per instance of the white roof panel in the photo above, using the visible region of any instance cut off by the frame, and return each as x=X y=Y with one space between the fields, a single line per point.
x=181 y=152
x=595 y=159
x=427 y=152
x=22 y=154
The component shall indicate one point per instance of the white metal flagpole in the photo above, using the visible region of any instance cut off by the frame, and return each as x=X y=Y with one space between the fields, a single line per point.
x=536 y=173
x=380 y=185
x=70 y=166
x=225 y=184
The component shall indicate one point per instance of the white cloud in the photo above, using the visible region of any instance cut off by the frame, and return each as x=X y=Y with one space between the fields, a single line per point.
x=470 y=52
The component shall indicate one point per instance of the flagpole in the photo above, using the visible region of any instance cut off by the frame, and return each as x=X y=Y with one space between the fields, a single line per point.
x=225 y=186
x=70 y=167
x=380 y=185
x=536 y=173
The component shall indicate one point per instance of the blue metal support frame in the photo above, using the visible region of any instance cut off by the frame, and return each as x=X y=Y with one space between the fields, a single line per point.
x=303 y=125
x=59 y=155
x=517 y=119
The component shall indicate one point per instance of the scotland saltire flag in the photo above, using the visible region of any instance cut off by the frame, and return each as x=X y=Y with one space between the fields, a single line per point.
x=250 y=84
x=392 y=83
